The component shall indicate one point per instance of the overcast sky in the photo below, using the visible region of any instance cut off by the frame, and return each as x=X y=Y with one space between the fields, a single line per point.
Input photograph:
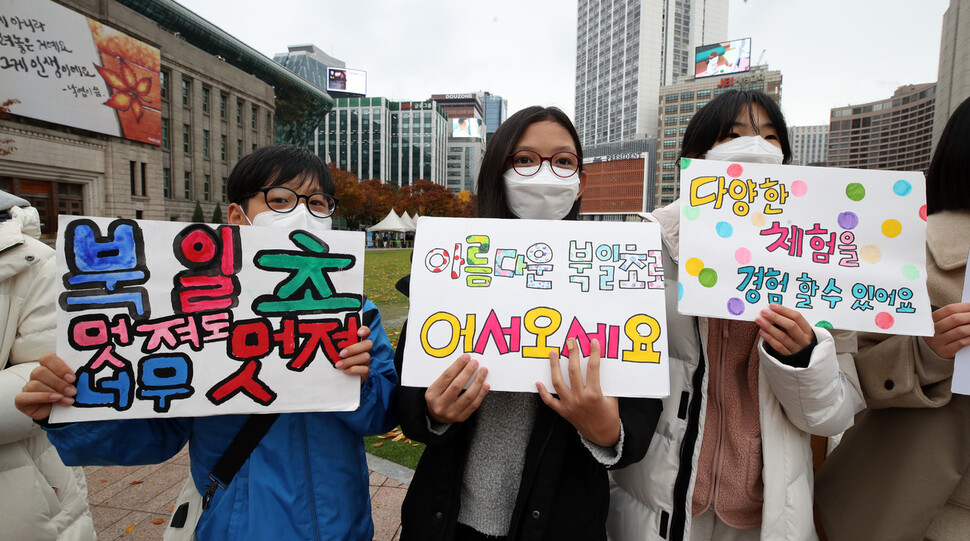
x=831 y=52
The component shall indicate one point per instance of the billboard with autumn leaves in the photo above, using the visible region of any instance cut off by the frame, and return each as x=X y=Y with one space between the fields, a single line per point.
x=65 y=68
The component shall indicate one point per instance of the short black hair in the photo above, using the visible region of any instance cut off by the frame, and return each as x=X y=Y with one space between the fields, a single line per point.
x=715 y=120
x=491 y=184
x=948 y=178
x=275 y=165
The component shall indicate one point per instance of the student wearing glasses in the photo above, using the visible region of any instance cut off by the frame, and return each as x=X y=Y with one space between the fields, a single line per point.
x=503 y=465
x=308 y=477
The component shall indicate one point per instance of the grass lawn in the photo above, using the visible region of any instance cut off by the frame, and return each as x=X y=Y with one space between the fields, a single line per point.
x=382 y=269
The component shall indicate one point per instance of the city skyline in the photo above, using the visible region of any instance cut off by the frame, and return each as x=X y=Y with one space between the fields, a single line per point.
x=526 y=52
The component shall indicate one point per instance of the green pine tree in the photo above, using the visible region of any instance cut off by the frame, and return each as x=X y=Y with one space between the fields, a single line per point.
x=198 y=216
x=217 y=214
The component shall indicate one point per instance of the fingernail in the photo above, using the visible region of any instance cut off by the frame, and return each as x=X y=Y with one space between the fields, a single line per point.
x=55 y=397
x=69 y=377
x=70 y=391
x=343 y=353
x=67 y=401
x=339 y=364
x=484 y=371
x=473 y=362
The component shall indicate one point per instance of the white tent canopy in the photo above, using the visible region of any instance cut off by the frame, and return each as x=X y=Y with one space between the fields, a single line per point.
x=411 y=221
x=392 y=222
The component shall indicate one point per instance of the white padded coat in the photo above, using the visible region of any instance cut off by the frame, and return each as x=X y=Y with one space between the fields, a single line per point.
x=651 y=500
x=40 y=497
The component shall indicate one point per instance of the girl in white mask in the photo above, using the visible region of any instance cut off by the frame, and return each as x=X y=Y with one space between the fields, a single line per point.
x=733 y=460
x=518 y=465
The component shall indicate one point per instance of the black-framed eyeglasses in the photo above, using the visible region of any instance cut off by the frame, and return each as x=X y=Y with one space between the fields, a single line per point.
x=526 y=163
x=281 y=199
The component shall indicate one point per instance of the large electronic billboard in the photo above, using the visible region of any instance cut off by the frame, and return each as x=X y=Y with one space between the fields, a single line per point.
x=65 y=68
x=720 y=58
x=466 y=127
x=347 y=81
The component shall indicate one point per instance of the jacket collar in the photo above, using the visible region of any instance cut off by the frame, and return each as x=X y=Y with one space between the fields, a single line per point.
x=948 y=238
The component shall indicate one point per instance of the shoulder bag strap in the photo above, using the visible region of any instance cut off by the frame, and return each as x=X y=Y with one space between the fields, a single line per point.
x=237 y=453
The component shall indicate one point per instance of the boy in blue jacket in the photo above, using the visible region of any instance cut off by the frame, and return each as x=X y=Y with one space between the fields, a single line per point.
x=308 y=477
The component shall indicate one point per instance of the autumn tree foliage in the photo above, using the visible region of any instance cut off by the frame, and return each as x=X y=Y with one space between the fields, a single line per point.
x=364 y=203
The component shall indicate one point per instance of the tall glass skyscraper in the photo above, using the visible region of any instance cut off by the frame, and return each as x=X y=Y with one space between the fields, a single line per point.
x=626 y=50
x=496 y=111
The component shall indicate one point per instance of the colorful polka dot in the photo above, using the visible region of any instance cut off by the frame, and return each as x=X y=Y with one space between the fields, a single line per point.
x=735 y=306
x=824 y=324
x=724 y=230
x=680 y=291
x=691 y=213
x=884 y=320
x=734 y=170
x=870 y=254
x=855 y=191
x=910 y=272
x=799 y=188
x=742 y=256
x=758 y=219
x=707 y=277
x=694 y=266
x=892 y=228
x=922 y=212
x=684 y=163
x=902 y=188
x=848 y=220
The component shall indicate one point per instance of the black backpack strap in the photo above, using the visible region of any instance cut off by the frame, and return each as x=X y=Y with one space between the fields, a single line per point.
x=237 y=453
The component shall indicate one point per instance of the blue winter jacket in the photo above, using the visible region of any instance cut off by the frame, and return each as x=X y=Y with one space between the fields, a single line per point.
x=307 y=479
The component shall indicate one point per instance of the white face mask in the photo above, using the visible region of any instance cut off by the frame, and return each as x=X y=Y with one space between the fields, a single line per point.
x=543 y=196
x=298 y=218
x=749 y=149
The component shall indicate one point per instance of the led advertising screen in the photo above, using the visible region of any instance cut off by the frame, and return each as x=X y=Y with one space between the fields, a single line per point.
x=347 y=81
x=721 y=58
x=65 y=68
x=466 y=127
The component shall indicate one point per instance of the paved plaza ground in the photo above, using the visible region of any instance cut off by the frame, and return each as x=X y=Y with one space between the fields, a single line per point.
x=134 y=503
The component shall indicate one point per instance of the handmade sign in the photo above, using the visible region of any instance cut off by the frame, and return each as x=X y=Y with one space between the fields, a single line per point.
x=509 y=292
x=845 y=247
x=167 y=319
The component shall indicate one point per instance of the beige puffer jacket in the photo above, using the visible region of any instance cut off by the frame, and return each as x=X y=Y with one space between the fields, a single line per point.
x=40 y=497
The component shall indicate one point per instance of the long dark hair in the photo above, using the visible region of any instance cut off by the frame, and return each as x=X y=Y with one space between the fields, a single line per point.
x=275 y=165
x=948 y=178
x=715 y=120
x=491 y=185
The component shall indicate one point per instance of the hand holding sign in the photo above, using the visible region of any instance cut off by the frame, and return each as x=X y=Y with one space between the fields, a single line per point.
x=951 y=329
x=784 y=329
x=355 y=359
x=446 y=402
x=595 y=416
x=50 y=383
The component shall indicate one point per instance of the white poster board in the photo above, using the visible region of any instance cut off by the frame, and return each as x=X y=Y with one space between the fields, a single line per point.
x=168 y=319
x=845 y=247
x=510 y=291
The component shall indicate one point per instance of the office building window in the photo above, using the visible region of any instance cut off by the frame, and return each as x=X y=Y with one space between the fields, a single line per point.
x=163 y=78
x=186 y=138
x=222 y=105
x=206 y=93
x=165 y=136
x=206 y=187
x=205 y=143
x=188 y=185
x=186 y=92
x=166 y=182
x=239 y=108
x=222 y=147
